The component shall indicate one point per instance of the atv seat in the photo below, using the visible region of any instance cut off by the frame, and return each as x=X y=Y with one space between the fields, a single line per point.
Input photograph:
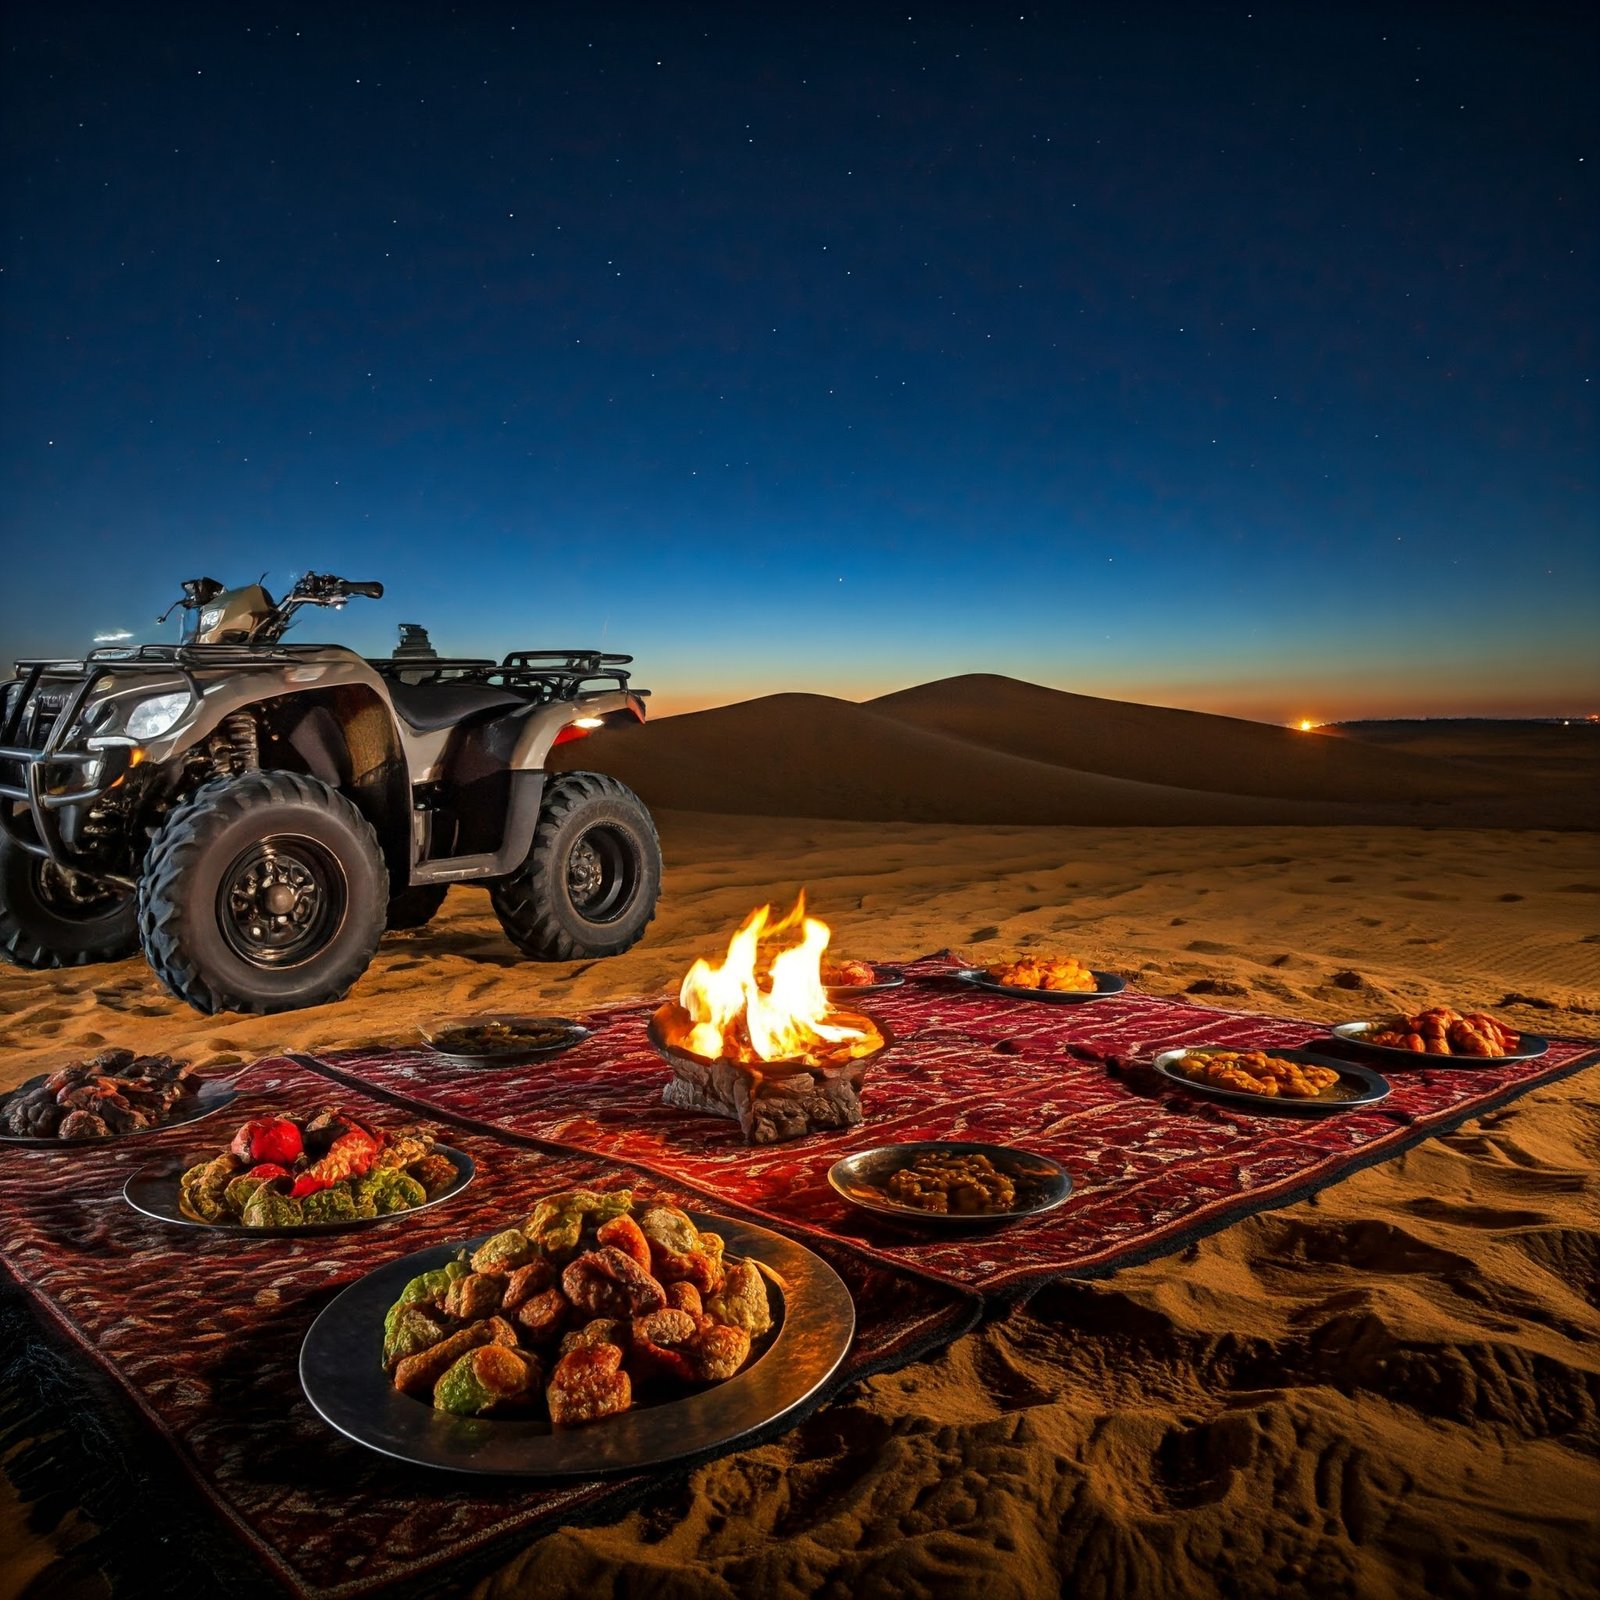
x=427 y=707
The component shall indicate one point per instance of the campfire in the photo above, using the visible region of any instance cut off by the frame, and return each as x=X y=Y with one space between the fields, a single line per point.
x=756 y=1036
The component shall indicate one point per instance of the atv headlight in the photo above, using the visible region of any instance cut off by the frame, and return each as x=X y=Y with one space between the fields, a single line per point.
x=158 y=715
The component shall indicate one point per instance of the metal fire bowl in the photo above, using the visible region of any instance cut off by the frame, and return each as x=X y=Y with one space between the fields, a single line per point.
x=676 y=1055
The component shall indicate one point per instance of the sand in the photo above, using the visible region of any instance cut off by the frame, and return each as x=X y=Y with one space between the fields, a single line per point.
x=1391 y=1389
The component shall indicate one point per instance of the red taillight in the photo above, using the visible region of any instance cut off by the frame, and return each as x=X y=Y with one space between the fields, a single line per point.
x=568 y=734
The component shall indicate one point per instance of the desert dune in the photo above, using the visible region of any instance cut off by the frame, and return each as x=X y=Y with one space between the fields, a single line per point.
x=1391 y=1389
x=986 y=749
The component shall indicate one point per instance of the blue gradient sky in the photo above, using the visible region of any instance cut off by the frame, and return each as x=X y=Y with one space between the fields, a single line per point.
x=1232 y=360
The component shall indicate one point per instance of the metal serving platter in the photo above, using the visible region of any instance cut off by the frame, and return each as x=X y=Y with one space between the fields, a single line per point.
x=1358 y=1085
x=573 y=1033
x=211 y=1095
x=1530 y=1046
x=343 y=1377
x=1105 y=983
x=882 y=978
x=153 y=1190
x=1042 y=1184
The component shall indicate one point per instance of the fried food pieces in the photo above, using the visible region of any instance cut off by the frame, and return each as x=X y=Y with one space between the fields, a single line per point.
x=111 y=1093
x=1064 y=973
x=289 y=1172
x=964 y=1184
x=604 y=1298
x=1441 y=1031
x=1256 y=1072
x=838 y=974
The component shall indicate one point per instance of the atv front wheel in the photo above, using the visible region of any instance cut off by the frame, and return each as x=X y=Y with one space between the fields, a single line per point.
x=415 y=907
x=50 y=917
x=589 y=885
x=262 y=892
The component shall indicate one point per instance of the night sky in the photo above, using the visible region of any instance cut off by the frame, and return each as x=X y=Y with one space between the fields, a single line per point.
x=1213 y=356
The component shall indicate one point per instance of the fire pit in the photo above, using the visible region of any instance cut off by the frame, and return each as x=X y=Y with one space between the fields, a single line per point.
x=757 y=1038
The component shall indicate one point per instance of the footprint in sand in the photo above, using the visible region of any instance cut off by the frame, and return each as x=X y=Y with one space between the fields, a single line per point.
x=1343 y=877
x=1507 y=898
x=1425 y=894
x=982 y=933
x=1216 y=986
x=1208 y=947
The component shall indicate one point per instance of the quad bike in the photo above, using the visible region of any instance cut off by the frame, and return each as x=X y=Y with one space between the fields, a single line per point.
x=254 y=814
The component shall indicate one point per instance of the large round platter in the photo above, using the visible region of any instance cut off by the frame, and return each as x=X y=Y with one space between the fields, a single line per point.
x=1358 y=1085
x=1042 y=1184
x=344 y=1380
x=882 y=978
x=1105 y=983
x=153 y=1190
x=211 y=1094
x=571 y=1033
x=1530 y=1046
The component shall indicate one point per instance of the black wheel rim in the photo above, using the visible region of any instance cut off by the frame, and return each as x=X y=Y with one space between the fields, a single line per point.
x=602 y=874
x=72 y=896
x=282 y=901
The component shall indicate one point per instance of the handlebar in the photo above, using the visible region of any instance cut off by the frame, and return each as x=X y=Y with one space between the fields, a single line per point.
x=324 y=589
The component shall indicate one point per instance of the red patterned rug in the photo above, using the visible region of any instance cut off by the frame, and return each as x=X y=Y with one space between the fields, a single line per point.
x=1153 y=1166
x=202 y=1335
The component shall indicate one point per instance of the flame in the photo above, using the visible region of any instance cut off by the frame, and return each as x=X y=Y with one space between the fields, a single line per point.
x=766 y=1000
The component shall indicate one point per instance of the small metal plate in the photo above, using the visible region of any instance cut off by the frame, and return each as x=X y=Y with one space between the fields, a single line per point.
x=1530 y=1046
x=1042 y=1184
x=574 y=1033
x=1105 y=983
x=882 y=978
x=211 y=1095
x=342 y=1374
x=1358 y=1085
x=153 y=1190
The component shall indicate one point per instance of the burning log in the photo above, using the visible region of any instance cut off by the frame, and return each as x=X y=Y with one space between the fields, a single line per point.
x=757 y=1038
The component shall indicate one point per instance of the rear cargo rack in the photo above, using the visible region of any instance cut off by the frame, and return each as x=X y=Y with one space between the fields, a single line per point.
x=545 y=674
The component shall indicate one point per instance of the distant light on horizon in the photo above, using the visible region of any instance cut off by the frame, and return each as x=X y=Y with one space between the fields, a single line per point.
x=1306 y=725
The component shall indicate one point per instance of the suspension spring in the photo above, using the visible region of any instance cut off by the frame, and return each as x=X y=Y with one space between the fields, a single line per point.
x=236 y=747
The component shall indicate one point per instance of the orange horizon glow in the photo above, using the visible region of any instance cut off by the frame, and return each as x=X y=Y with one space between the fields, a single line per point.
x=1360 y=707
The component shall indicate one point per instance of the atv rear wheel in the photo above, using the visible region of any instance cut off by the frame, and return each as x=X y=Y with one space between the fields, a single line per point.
x=50 y=917
x=589 y=885
x=262 y=892
x=415 y=907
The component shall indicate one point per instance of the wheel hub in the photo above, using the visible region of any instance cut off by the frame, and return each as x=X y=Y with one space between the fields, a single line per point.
x=281 y=901
x=584 y=872
x=73 y=894
x=602 y=874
